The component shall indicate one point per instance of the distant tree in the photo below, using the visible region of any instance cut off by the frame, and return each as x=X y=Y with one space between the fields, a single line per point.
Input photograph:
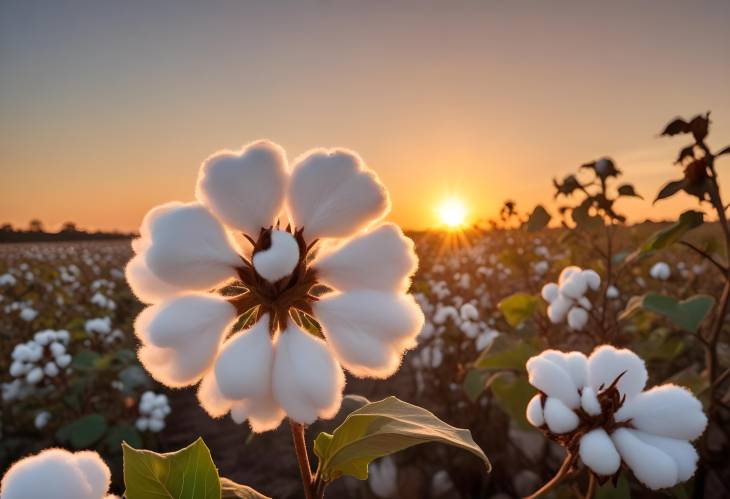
x=8 y=227
x=69 y=227
x=35 y=225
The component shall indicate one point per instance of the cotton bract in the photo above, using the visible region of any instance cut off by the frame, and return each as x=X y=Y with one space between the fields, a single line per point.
x=314 y=282
x=567 y=298
x=597 y=407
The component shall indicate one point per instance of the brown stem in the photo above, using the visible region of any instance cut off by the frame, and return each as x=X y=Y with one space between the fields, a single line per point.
x=562 y=472
x=705 y=255
x=300 y=446
x=591 y=486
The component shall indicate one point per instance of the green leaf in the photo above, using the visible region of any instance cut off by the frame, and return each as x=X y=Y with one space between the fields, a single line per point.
x=517 y=308
x=84 y=432
x=687 y=314
x=186 y=474
x=538 y=219
x=506 y=353
x=120 y=433
x=382 y=428
x=233 y=490
x=687 y=221
x=85 y=360
x=512 y=393
x=475 y=382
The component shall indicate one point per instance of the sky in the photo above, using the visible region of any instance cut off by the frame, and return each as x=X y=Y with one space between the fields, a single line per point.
x=107 y=108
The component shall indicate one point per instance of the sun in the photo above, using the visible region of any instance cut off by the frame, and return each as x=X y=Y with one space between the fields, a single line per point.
x=452 y=212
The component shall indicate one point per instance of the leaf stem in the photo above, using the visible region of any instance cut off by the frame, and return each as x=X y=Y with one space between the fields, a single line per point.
x=562 y=472
x=300 y=447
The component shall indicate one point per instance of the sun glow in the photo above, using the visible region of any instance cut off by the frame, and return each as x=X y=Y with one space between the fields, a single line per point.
x=452 y=212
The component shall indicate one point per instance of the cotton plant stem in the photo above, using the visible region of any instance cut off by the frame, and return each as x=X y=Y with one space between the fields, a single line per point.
x=591 y=486
x=554 y=481
x=300 y=446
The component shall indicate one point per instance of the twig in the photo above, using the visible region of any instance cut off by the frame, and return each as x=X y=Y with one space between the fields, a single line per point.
x=591 y=486
x=562 y=472
x=705 y=255
x=300 y=446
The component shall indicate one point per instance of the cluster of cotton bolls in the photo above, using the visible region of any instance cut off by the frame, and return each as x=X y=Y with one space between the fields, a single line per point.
x=660 y=271
x=153 y=409
x=7 y=279
x=102 y=327
x=43 y=356
x=102 y=301
x=25 y=310
x=567 y=298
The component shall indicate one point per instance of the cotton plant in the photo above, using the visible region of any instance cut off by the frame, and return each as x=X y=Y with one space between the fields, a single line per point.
x=597 y=408
x=44 y=356
x=568 y=298
x=153 y=410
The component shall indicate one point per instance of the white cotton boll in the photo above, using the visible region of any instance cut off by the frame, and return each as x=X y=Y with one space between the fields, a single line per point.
x=369 y=330
x=244 y=189
x=187 y=318
x=558 y=309
x=243 y=367
x=263 y=414
x=211 y=399
x=552 y=380
x=485 y=339
x=280 y=259
x=145 y=285
x=606 y=363
x=470 y=329
x=598 y=452
x=585 y=303
x=577 y=318
x=142 y=424
x=651 y=466
x=191 y=249
x=21 y=352
x=660 y=271
x=332 y=194
x=574 y=287
x=550 y=292
x=307 y=380
x=534 y=411
x=28 y=314
x=612 y=292
x=51 y=369
x=558 y=417
x=383 y=477
x=469 y=312
x=63 y=361
x=541 y=267
x=667 y=410
x=589 y=402
x=567 y=272
x=592 y=279
x=156 y=425
x=34 y=376
x=17 y=368
x=42 y=419
x=683 y=453
x=57 y=349
x=382 y=259
x=95 y=470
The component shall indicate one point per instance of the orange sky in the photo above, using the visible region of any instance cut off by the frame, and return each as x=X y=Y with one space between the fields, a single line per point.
x=107 y=108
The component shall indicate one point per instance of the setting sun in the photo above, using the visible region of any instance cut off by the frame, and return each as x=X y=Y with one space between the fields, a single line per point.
x=452 y=212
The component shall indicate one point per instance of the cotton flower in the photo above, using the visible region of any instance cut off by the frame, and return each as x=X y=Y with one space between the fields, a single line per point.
x=58 y=474
x=567 y=298
x=597 y=408
x=322 y=284
x=661 y=271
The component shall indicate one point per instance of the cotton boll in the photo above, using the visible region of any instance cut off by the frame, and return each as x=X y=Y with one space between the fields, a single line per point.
x=552 y=380
x=568 y=272
x=585 y=303
x=534 y=411
x=383 y=477
x=589 y=402
x=211 y=399
x=612 y=292
x=50 y=369
x=683 y=453
x=558 y=309
x=331 y=194
x=661 y=271
x=598 y=452
x=558 y=417
x=57 y=349
x=577 y=318
x=147 y=287
x=550 y=292
x=190 y=249
x=469 y=312
x=63 y=361
x=368 y=330
x=667 y=410
x=592 y=279
x=142 y=424
x=280 y=259
x=381 y=259
x=606 y=363
x=243 y=367
x=42 y=419
x=34 y=376
x=245 y=189
x=575 y=286
x=651 y=466
x=306 y=379
x=156 y=425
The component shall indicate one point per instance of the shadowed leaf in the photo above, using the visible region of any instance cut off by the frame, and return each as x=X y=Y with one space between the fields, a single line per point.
x=233 y=490
x=676 y=127
x=539 y=218
x=687 y=315
x=517 y=308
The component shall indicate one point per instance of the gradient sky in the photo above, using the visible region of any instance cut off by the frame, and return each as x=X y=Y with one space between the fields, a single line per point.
x=108 y=107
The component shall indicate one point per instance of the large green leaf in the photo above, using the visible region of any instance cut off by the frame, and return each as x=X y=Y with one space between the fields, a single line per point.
x=512 y=393
x=687 y=221
x=382 y=428
x=83 y=432
x=506 y=353
x=539 y=218
x=517 y=308
x=186 y=474
x=233 y=490
x=687 y=314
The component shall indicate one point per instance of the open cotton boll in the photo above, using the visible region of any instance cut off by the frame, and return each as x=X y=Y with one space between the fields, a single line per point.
x=307 y=380
x=558 y=417
x=368 y=330
x=550 y=292
x=683 y=453
x=383 y=477
x=577 y=318
x=612 y=292
x=558 y=309
x=534 y=413
x=651 y=466
x=598 y=452
x=190 y=248
x=382 y=259
x=667 y=410
x=57 y=474
x=606 y=363
x=332 y=194
x=552 y=380
x=280 y=259
x=660 y=271
x=244 y=189
x=575 y=286
x=469 y=312
x=147 y=287
x=243 y=367
x=592 y=279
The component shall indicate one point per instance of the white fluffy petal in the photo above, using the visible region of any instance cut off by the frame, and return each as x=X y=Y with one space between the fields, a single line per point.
x=683 y=453
x=534 y=411
x=589 y=402
x=667 y=410
x=190 y=248
x=381 y=259
x=307 y=380
x=567 y=272
x=180 y=367
x=592 y=279
x=141 y=243
x=263 y=414
x=147 y=287
x=559 y=418
x=550 y=291
x=577 y=318
x=95 y=470
x=574 y=286
x=577 y=366
x=553 y=380
x=651 y=466
x=606 y=363
x=333 y=194
x=558 y=309
x=369 y=330
x=245 y=189
x=279 y=259
x=243 y=367
x=211 y=399
x=598 y=452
